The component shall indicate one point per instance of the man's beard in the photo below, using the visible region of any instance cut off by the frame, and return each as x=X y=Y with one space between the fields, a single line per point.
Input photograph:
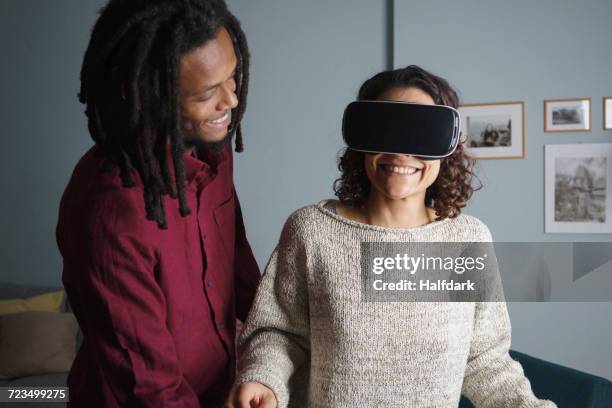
x=198 y=144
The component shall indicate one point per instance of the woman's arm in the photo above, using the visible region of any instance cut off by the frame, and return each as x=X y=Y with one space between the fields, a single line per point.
x=275 y=341
x=492 y=378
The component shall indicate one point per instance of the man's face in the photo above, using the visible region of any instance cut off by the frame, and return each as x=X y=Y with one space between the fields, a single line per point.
x=207 y=89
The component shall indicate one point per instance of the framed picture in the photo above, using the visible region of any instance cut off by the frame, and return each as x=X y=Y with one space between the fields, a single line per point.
x=567 y=115
x=494 y=130
x=607 y=113
x=578 y=187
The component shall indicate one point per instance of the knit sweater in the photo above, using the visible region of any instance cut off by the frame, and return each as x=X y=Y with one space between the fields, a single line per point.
x=311 y=339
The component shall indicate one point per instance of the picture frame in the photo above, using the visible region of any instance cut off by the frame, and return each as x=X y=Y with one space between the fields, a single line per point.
x=607 y=112
x=567 y=115
x=578 y=188
x=494 y=130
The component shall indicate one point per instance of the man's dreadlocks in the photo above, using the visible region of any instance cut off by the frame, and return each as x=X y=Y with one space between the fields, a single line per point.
x=130 y=86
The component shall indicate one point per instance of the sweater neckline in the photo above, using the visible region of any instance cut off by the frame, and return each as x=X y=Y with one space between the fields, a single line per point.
x=322 y=207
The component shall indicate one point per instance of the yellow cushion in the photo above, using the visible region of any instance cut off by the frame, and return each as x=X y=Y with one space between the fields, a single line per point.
x=47 y=302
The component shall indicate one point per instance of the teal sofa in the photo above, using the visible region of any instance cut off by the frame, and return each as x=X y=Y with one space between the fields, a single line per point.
x=567 y=387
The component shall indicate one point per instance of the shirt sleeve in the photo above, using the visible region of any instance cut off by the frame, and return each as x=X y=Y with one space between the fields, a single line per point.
x=125 y=326
x=274 y=344
x=246 y=271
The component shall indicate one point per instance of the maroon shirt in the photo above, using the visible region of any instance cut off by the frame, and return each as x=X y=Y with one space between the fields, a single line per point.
x=157 y=307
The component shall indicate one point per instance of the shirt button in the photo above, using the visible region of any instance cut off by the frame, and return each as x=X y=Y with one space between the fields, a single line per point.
x=211 y=283
x=222 y=325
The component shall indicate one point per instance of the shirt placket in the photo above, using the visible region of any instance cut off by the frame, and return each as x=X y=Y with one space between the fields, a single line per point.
x=206 y=204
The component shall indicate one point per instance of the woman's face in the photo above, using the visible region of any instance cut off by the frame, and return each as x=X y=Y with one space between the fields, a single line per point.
x=399 y=176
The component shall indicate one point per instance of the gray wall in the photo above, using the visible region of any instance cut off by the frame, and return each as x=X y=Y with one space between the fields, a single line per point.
x=495 y=51
x=43 y=128
x=309 y=58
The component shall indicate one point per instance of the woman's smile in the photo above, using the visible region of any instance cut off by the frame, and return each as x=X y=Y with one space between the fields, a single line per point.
x=399 y=170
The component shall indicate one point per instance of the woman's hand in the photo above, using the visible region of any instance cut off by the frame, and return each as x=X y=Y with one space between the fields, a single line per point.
x=251 y=395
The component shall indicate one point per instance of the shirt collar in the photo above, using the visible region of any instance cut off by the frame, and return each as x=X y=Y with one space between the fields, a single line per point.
x=203 y=164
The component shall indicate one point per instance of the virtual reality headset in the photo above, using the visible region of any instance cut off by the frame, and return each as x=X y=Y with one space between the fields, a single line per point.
x=428 y=132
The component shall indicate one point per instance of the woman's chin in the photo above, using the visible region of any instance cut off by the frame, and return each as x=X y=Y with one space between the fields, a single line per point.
x=402 y=194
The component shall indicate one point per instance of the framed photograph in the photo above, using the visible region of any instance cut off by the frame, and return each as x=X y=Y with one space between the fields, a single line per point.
x=494 y=130
x=607 y=113
x=578 y=187
x=567 y=115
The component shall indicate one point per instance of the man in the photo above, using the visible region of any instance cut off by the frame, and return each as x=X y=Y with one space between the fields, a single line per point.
x=156 y=262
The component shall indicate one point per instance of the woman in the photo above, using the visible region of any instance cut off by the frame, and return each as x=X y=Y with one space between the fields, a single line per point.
x=311 y=341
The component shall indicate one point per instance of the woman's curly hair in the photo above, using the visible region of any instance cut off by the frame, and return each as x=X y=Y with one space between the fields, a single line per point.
x=453 y=186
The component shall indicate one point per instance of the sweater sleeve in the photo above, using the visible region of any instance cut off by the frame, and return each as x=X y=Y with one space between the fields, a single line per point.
x=275 y=341
x=492 y=378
